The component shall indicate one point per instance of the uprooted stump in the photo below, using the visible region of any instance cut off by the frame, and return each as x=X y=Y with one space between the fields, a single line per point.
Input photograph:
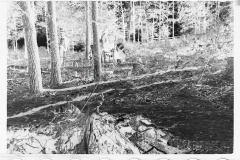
x=108 y=135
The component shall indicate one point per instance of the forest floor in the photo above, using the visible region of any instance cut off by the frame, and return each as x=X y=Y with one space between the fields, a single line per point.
x=197 y=111
x=180 y=90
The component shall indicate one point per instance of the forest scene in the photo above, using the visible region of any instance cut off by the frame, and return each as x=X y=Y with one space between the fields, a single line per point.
x=120 y=77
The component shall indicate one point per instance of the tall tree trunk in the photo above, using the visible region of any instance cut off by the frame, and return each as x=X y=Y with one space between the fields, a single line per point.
x=167 y=18
x=133 y=20
x=147 y=38
x=205 y=16
x=141 y=20
x=4 y=6
x=100 y=8
x=15 y=46
x=32 y=48
x=25 y=47
x=15 y=38
x=88 y=29
x=96 y=51
x=153 y=27
x=145 y=29
x=33 y=8
x=160 y=20
x=218 y=10
x=46 y=30
x=195 y=20
x=72 y=41
x=129 y=22
x=123 y=24
x=114 y=45
x=56 y=78
x=139 y=28
x=173 y=20
x=139 y=23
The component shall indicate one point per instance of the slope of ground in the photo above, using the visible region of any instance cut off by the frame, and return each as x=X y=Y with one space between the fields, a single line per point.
x=199 y=115
x=185 y=95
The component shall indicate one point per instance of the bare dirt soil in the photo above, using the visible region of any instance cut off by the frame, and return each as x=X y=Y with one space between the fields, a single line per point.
x=199 y=113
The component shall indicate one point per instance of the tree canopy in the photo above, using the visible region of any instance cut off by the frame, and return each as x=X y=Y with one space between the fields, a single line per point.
x=156 y=18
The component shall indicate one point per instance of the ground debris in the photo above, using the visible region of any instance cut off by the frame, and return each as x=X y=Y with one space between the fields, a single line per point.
x=109 y=136
x=147 y=136
x=176 y=103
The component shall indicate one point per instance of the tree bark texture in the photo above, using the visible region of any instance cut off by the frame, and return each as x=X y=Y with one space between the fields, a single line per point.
x=88 y=29
x=129 y=22
x=173 y=20
x=96 y=51
x=45 y=13
x=147 y=30
x=32 y=48
x=153 y=27
x=56 y=78
x=133 y=21
x=25 y=47
x=123 y=23
x=141 y=21
x=15 y=38
x=160 y=20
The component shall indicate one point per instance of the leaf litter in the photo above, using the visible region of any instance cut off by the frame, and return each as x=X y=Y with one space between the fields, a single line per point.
x=179 y=115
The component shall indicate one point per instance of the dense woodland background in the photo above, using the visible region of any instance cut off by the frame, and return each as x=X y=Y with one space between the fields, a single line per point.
x=169 y=91
x=142 y=21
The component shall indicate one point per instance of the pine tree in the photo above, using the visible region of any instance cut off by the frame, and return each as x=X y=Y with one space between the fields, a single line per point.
x=56 y=79
x=133 y=21
x=96 y=51
x=32 y=48
x=123 y=23
x=88 y=35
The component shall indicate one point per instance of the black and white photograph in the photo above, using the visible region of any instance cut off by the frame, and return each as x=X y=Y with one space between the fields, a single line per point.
x=120 y=77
